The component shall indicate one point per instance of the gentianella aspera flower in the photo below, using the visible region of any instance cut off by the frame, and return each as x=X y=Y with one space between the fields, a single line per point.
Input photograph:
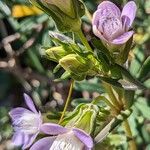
x=67 y=139
x=26 y=123
x=111 y=25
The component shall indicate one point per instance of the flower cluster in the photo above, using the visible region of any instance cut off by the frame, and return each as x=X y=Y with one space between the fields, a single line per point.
x=28 y=124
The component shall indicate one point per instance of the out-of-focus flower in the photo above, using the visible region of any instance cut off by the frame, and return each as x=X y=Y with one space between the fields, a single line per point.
x=111 y=25
x=67 y=139
x=66 y=14
x=19 y=11
x=26 y=123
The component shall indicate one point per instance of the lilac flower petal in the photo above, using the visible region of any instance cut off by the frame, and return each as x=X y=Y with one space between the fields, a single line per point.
x=106 y=21
x=18 y=139
x=16 y=113
x=53 y=129
x=28 y=140
x=123 y=38
x=107 y=6
x=83 y=137
x=30 y=103
x=128 y=14
x=43 y=144
x=98 y=33
x=96 y=17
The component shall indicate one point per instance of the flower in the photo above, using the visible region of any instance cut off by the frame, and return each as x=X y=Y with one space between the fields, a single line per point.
x=67 y=139
x=111 y=25
x=26 y=123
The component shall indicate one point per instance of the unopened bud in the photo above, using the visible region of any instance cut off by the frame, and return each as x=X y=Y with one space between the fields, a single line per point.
x=66 y=14
x=74 y=64
x=56 y=53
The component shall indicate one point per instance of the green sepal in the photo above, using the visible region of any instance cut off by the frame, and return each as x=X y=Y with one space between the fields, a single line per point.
x=71 y=117
x=123 y=55
x=83 y=117
x=64 y=76
x=56 y=53
x=56 y=69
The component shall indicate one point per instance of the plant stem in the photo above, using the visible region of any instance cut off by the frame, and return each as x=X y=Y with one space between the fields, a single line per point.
x=120 y=106
x=67 y=101
x=84 y=40
x=88 y=14
x=132 y=144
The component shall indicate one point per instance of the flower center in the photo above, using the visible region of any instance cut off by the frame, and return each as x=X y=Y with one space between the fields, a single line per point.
x=67 y=141
x=109 y=24
x=110 y=27
x=28 y=123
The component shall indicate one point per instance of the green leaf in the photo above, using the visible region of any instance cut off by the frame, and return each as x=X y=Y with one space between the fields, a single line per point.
x=137 y=61
x=145 y=70
x=90 y=87
x=117 y=140
x=143 y=106
x=35 y=61
x=111 y=81
x=147 y=83
x=127 y=76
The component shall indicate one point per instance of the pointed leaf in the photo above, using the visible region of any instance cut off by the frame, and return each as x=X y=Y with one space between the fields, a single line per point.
x=129 y=78
x=145 y=70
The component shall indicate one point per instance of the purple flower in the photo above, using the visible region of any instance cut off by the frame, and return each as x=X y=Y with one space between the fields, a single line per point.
x=111 y=25
x=67 y=139
x=26 y=123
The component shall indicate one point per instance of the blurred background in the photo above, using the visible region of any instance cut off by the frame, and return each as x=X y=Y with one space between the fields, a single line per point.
x=24 y=30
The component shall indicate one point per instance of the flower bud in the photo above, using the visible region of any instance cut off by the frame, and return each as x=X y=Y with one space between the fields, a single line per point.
x=85 y=117
x=75 y=64
x=56 y=53
x=66 y=14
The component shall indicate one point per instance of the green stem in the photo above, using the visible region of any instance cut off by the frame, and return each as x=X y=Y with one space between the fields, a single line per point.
x=132 y=144
x=84 y=40
x=67 y=102
x=121 y=106
x=88 y=14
